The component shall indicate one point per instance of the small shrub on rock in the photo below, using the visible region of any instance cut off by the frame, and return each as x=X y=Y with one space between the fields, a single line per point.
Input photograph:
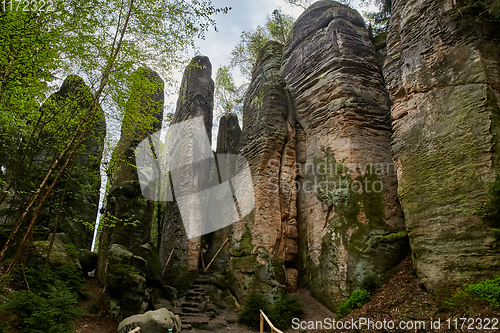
x=357 y=299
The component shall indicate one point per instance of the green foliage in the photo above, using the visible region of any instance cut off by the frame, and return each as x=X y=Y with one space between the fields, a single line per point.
x=277 y=27
x=72 y=250
x=50 y=303
x=280 y=313
x=121 y=272
x=472 y=12
x=107 y=41
x=284 y=310
x=379 y=20
x=370 y=282
x=487 y=292
x=250 y=315
x=495 y=232
x=357 y=299
x=228 y=97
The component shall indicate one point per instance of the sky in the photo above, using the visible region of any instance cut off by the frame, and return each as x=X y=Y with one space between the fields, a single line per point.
x=245 y=15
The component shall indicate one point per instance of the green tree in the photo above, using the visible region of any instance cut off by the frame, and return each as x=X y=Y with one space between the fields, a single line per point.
x=277 y=27
x=227 y=95
x=379 y=20
x=106 y=40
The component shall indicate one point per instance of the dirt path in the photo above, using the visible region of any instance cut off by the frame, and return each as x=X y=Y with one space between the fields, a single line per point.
x=94 y=323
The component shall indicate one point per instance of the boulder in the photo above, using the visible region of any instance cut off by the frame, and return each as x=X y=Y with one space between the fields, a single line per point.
x=346 y=181
x=158 y=321
x=60 y=255
x=442 y=73
x=88 y=260
x=125 y=281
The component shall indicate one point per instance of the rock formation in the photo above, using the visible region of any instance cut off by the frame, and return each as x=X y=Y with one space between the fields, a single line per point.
x=228 y=139
x=350 y=224
x=261 y=243
x=444 y=84
x=195 y=100
x=128 y=262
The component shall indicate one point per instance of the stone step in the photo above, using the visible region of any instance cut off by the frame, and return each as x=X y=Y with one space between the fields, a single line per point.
x=194 y=299
x=190 y=310
x=200 y=322
x=186 y=327
x=201 y=282
x=184 y=314
x=190 y=304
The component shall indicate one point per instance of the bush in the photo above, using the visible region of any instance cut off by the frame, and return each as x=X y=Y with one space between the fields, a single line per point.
x=280 y=313
x=251 y=312
x=284 y=310
x=486 y=292
x=50 y=303
x=357 y=299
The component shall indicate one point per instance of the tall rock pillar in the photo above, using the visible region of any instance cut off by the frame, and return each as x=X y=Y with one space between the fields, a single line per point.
x=350 y=223
x=195 y=100
x=443 y=76
x=261 y=241
x=128 y=262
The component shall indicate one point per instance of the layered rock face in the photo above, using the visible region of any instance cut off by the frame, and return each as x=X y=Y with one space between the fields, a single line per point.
x=262 y=242
x=195 y=100
x=444 y=84
x=350 y=224
x=128 y=262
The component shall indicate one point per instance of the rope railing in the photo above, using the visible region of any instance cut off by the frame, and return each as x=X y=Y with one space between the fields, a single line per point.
x=264 y=317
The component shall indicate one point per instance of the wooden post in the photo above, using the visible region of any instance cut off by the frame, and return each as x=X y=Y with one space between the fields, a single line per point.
x=227 y=239
x=261 y=322
x=168 y=260
x=202 y=261
x=273 y=329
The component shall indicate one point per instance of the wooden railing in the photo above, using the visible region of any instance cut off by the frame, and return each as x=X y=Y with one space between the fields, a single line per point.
x=262 y=317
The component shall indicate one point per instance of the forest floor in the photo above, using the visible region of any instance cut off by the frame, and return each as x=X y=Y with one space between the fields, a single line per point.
x=403 y=299
x=94 y=323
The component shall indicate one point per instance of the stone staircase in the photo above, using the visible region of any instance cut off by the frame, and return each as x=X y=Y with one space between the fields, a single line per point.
x=192 y=305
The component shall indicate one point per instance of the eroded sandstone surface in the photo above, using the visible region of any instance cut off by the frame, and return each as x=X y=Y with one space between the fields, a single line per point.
x=350 y=224
x=444 y=83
